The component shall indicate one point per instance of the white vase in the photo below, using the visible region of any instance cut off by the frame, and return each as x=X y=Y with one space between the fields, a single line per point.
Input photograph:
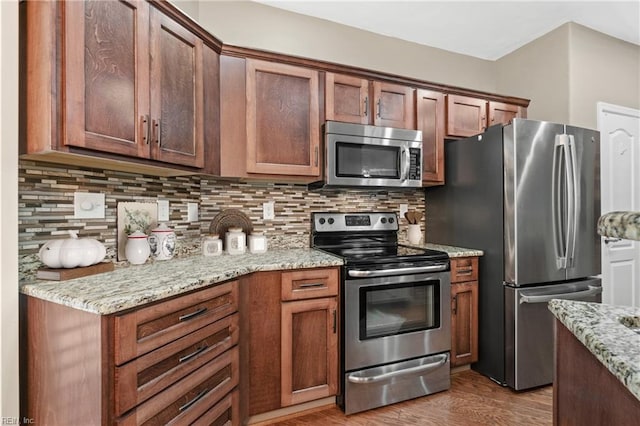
x=414 y=234
x=137 y=249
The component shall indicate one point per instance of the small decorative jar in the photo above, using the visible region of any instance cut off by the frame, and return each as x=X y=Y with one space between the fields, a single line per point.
x=162 y=242
x=235 y=241
x=257 y=242
x=212 y=245
x=137 y=249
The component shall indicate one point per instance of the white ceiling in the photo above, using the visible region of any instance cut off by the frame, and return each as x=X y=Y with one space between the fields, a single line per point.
x=484 y=29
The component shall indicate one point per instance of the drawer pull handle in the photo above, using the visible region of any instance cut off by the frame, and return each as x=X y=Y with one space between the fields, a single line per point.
x=311 y=285
x=192 y=314
x=194 y=400
x=192 y=354
x=466 y=271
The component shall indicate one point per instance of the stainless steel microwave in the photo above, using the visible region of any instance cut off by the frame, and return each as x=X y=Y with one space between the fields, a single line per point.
x=358 y=155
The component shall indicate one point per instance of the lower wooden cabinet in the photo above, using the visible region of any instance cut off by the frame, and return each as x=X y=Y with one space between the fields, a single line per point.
x=175 y=361
x=464 y=311
x=309 y=350
x=289 y=343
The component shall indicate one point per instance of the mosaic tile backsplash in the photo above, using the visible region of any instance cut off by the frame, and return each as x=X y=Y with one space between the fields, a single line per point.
x=46 y=206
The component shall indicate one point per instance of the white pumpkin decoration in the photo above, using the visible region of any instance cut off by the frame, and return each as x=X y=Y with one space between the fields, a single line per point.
x=72 y=252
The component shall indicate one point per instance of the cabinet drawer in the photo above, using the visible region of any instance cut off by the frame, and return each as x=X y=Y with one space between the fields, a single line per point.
x=309 y=283
x=146 y=329
x=140 y=379
x=464 y=269
x=226 y=412
x=190 y=398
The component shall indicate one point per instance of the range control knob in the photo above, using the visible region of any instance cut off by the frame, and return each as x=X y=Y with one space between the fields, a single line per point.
x=321 y=221
x=383 y=220
x=391 y=220
x=331 y=221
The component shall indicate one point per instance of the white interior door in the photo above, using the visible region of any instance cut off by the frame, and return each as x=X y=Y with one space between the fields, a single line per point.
x=620 y=190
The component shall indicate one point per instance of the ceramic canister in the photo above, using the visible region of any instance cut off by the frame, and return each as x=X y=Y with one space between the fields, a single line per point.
x=235 y=241
x=162 y=242
x=137 y=248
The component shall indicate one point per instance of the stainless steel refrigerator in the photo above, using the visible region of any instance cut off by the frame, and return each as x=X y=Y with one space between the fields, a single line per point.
x=528 y=195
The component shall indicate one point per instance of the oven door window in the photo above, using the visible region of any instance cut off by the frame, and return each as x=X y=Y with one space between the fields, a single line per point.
x=389 y=310
x=356 y=160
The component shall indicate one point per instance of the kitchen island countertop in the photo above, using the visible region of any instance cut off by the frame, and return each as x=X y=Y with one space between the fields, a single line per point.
x=620 y=224
x=132 y=286
x=607 y=332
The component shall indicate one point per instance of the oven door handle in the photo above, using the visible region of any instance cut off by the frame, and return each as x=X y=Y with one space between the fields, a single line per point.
x=358 y=273
x=393 y=374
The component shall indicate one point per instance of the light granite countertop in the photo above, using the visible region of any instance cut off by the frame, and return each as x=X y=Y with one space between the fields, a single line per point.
x=133 y=286
x=607 y=331
x=452 y=251
x=624 y=225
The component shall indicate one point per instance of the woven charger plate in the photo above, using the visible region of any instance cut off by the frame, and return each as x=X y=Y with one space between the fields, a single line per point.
x=230 y=218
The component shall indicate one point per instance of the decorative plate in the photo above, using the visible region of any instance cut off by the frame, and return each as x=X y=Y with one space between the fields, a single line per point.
x=230 y=218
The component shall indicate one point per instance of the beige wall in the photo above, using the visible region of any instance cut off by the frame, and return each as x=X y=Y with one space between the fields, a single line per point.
x=254 y=25
x=9 y=211
x=602 y=68
x=539 y=71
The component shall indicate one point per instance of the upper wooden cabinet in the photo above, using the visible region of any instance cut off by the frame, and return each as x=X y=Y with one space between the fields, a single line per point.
x=431 y=121
x=357 y=100
x=134 y=82
x=501 y=113
x=131 y=84
x=467 y=116
x=270 y=120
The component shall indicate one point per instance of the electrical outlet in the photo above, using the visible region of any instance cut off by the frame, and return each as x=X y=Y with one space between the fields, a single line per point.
x=403 y=209
x=87 y=205
x=268 y=211
x=192 y=212
x=163 y=210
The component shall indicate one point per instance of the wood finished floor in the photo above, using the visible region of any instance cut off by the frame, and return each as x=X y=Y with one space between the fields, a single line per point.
x=472 y=400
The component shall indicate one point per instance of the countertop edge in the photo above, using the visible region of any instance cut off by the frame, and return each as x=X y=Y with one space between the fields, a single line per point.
x=51 y=291
x=597 y=326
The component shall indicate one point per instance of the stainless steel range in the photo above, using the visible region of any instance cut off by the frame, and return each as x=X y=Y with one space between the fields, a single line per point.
x=395 y=311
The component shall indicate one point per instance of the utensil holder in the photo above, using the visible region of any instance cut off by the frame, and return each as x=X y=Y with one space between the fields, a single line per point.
x=414 y=234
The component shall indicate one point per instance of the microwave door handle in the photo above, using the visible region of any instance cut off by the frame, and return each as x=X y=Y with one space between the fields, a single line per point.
x=405 y=163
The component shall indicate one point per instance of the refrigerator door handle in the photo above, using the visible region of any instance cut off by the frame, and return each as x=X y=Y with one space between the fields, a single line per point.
x=592 y=291
x=557 y=206
x=574 y=200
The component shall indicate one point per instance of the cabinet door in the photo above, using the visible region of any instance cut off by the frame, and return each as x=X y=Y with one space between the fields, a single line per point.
x=309 y=350
x=393 y=105
x=346 y=98
x=176 y=93
x=283 y=121
x=430 y=116
x=501 y=113
x=464 y=323
x=106 y=76
x=465 y=116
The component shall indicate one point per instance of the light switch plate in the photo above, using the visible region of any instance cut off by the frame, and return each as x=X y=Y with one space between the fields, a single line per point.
x=268 y=211
x=403 y=209
x=192 y=212
x=87 y=205
x=163 y=210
